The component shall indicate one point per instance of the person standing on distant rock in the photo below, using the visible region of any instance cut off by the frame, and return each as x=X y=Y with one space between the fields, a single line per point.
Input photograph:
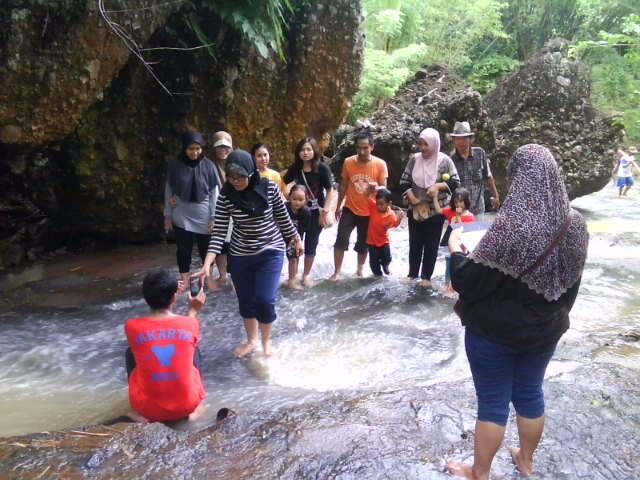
x=624 y=170
x=427 y=181
x=359 y=172
x=473 y=168
x=191 y=192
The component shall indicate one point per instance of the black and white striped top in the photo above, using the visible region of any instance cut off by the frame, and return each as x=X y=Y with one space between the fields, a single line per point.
x=251 y=235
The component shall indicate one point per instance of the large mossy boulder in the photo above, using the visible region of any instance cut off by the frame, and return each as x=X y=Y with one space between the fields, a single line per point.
x=86 y=132
x=547 y=101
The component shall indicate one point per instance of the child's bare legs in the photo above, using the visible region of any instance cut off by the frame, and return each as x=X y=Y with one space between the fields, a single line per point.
x=530 y=432
x=626 y=189
x=306 y=275
x=293 y=273
x=265 y=333
x=197 y=413
x=487 y=441
x=244 y=349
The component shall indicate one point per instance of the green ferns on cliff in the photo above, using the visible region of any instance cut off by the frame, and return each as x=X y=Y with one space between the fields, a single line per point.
x=262 y=22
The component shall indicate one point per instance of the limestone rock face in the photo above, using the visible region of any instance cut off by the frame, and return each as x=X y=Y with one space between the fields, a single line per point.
x=548 y=102
x=436 y=98
x=56 y=59
x=85 y=155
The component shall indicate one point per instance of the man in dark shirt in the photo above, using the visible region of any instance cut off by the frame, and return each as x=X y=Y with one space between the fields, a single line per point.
x=473 y=168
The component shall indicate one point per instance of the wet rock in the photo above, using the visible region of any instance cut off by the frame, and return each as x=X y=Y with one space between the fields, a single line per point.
x=548 y=101
x=400 y=434
x=107 y=129
x=436 y=98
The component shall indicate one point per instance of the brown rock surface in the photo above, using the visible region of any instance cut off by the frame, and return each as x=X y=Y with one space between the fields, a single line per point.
x=548 y=102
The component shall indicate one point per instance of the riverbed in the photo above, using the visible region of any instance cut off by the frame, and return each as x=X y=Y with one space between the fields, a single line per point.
x=62 y=342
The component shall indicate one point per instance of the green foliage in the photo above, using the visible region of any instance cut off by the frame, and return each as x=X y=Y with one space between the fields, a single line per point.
x=262 y=22
x=615 y=60
x=403 y=35
x=484 y=74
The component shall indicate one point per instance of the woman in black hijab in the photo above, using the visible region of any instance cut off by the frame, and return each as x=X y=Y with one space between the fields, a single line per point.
x=261 y=229
x=190 y=198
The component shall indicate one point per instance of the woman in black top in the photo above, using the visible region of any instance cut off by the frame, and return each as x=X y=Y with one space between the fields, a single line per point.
x=310 y=171
x=516 y=290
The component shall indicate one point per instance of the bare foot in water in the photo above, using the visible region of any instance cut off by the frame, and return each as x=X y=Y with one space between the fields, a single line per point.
x=213 y=285
x=425 y=283
x=525 y=466
x=307 y=282
x=359 y=272
x=266 y=348
x=335 y=277
x=460 y=469
x=294 y=284
x=244 y=349
x=136 y=417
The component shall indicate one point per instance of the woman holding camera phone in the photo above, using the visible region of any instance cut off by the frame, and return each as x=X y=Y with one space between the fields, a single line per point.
x=311 y=172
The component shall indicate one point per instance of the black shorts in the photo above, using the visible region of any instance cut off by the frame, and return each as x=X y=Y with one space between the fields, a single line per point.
x=349 y=221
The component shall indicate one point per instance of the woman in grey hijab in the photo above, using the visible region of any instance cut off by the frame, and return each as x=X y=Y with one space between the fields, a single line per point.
x=190 y=198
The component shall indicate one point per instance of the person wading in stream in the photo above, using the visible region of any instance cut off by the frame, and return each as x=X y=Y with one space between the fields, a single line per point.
x=191 y=192
x=256 y=254
x=473 y=167
x=309 y=171
x=429 y=174
x=516 y=290
x=358 y=173
x=163 y=359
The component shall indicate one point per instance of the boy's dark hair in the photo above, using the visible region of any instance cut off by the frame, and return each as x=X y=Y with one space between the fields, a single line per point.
x=297 y=187
x=158 y=288
x=384 y=194
x=461 y=194
x=363 y=135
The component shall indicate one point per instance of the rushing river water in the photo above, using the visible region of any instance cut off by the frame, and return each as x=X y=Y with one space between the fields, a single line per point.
x=62 y=341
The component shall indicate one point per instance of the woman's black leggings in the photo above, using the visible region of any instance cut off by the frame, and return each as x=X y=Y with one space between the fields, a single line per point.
x=184 y=244
x=424 y=240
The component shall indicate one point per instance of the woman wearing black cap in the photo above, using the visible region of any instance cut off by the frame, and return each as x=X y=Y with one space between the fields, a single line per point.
x=261 y=226
x=193 y=185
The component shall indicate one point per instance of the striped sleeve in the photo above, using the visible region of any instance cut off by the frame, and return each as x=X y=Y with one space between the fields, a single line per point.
x=221 y=224
x=280 y=213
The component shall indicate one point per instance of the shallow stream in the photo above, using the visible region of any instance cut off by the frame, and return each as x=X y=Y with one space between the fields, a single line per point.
x=62 y=341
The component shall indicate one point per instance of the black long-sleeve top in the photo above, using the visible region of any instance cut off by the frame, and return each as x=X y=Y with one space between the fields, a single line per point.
x=505 y=310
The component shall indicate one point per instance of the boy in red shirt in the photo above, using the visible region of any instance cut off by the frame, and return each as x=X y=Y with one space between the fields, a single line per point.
x=381 y=219
x=163 y=360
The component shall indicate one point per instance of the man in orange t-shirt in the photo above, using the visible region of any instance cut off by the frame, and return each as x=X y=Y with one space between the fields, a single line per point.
x=163 y=360
x=359 y=172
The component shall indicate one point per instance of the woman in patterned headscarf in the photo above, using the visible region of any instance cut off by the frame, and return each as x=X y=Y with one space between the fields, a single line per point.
x=516 y=290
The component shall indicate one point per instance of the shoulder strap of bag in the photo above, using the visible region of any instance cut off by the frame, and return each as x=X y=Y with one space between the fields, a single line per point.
x=304 y=178
x=559 y=236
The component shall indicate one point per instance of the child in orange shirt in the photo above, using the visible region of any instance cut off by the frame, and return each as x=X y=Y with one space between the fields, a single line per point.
x=381 y=219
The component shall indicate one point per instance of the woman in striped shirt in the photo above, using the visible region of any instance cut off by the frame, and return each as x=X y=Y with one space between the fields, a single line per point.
x=260 y=228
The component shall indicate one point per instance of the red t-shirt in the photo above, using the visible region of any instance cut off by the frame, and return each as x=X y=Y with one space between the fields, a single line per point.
x=450 y=213
x=379 y=223
x=164 y=385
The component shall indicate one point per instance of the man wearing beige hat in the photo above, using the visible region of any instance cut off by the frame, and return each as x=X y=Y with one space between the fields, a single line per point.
x=473 y=167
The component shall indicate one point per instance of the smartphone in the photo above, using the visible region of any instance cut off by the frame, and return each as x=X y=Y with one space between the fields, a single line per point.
x=195 y=285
